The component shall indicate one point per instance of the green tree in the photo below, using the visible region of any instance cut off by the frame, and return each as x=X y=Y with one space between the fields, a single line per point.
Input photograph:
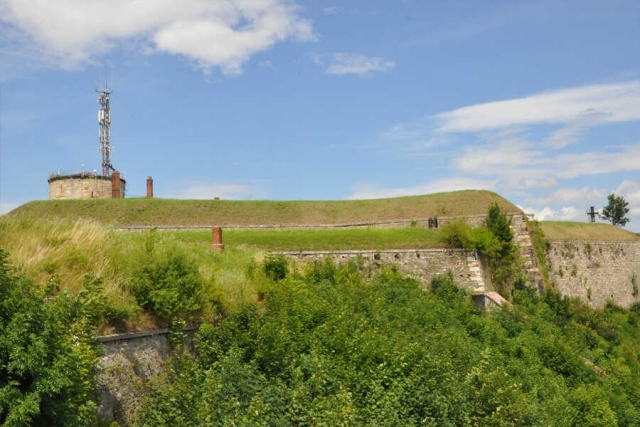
x=616 y=210
x=47 y=357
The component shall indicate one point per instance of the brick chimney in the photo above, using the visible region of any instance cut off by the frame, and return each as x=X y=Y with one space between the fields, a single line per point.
x=149 y=187
x=216 y=242
x=115 y=185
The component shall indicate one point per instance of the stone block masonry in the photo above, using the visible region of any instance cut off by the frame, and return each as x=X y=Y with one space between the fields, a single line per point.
x=127 y=361
x=83 y=186
x=421 y=264
x=596 y=271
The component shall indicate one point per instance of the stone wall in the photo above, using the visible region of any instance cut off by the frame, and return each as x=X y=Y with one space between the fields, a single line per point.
x=81 y=186
x=128 y=361
x=596 y=271
x=422 y=264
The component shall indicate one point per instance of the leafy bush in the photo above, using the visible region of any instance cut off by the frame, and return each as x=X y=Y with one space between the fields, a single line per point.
x=170 y=287
x=275 y=267
x=320 y=271
x=47 y=357
x=384 y=352
x=494 y=242
x=457 y=234
x=446 y=289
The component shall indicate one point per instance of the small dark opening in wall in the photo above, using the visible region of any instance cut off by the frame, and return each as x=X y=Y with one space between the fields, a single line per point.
x=376 y=256
x=418 y=255
x=397 y=256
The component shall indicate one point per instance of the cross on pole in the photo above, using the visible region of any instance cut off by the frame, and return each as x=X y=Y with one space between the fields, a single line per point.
x=592 y=214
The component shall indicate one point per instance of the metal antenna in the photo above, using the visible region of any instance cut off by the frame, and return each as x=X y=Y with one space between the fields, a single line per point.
x=104 y=87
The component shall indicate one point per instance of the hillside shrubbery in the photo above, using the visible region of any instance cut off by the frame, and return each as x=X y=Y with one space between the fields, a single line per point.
x=282 y=344
x=494 y=242
x=48 y=360
x=328 y=347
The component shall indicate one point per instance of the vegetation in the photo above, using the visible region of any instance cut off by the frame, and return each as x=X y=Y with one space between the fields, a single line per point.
x=146 y=278
x=321 y=239
x=561 y=230
x=283 y=344
x=159 y=212
x=540 y=247
x=616 y=210
x=47 y=357
x=325 y=346
x=494 y=242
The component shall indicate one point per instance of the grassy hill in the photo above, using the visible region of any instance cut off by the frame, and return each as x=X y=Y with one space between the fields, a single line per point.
x=564 y=230
x=165 y=212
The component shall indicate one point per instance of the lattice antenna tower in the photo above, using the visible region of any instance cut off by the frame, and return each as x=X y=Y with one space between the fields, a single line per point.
x=104 y=86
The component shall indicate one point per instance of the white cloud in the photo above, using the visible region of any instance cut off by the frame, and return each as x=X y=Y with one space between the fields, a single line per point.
x=630 y=190
x=570 y=133
x=353 y=63
x=210 y=191
x=511 y=160
x=372 y=191
x=616 y=102
x=553 y=207
x=212 y=34
x=567 y=213
x=584 y=195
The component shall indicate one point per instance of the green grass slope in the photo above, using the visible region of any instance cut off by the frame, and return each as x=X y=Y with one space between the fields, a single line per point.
x=165 y=212
x=562 y=230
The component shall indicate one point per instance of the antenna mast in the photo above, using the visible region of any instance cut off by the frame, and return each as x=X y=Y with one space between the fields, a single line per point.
x=105 y=88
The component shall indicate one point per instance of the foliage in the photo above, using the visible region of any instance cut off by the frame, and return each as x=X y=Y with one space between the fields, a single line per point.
x=169 y=287
x=275 y=267
x=494 y=241
x=47 y=357
x=616 y=210
x=333 y=348
x=540 y=247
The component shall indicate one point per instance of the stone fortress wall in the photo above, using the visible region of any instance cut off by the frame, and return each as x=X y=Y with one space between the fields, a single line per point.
x=592 y=271
x=424 y=264
x=596 y=271
x=421 y=264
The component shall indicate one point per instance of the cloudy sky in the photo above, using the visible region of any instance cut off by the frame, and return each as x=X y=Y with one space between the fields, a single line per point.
x=316 y=99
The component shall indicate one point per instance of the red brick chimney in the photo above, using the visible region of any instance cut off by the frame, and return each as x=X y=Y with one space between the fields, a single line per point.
x=115 y=185
x=149 y=187
x=216 y=243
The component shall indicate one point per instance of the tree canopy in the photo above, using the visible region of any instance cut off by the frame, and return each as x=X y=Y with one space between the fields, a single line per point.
x=616 y=210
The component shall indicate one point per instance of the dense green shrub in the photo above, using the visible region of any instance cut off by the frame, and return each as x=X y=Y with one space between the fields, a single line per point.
x=275 y=267
x=169 y=287
x=494 y=242
x=333 y=348
x=48 y=360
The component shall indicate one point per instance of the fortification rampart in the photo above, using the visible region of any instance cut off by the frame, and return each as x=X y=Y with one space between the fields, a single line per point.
x=421 y=264
x=596 y=271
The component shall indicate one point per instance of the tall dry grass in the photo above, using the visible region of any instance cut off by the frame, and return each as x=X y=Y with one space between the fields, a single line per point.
x=70 y=249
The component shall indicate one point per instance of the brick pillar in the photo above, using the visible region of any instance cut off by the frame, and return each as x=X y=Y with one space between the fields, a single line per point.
x=115 y=185
x=149 y=187
x=216 y=242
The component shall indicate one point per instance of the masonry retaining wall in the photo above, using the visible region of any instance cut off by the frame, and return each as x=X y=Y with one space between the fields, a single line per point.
x=421 y=264
x=128 y=361
x=596 y=271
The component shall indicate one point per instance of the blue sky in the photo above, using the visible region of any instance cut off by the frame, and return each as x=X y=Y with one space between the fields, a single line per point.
x=276 y=99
